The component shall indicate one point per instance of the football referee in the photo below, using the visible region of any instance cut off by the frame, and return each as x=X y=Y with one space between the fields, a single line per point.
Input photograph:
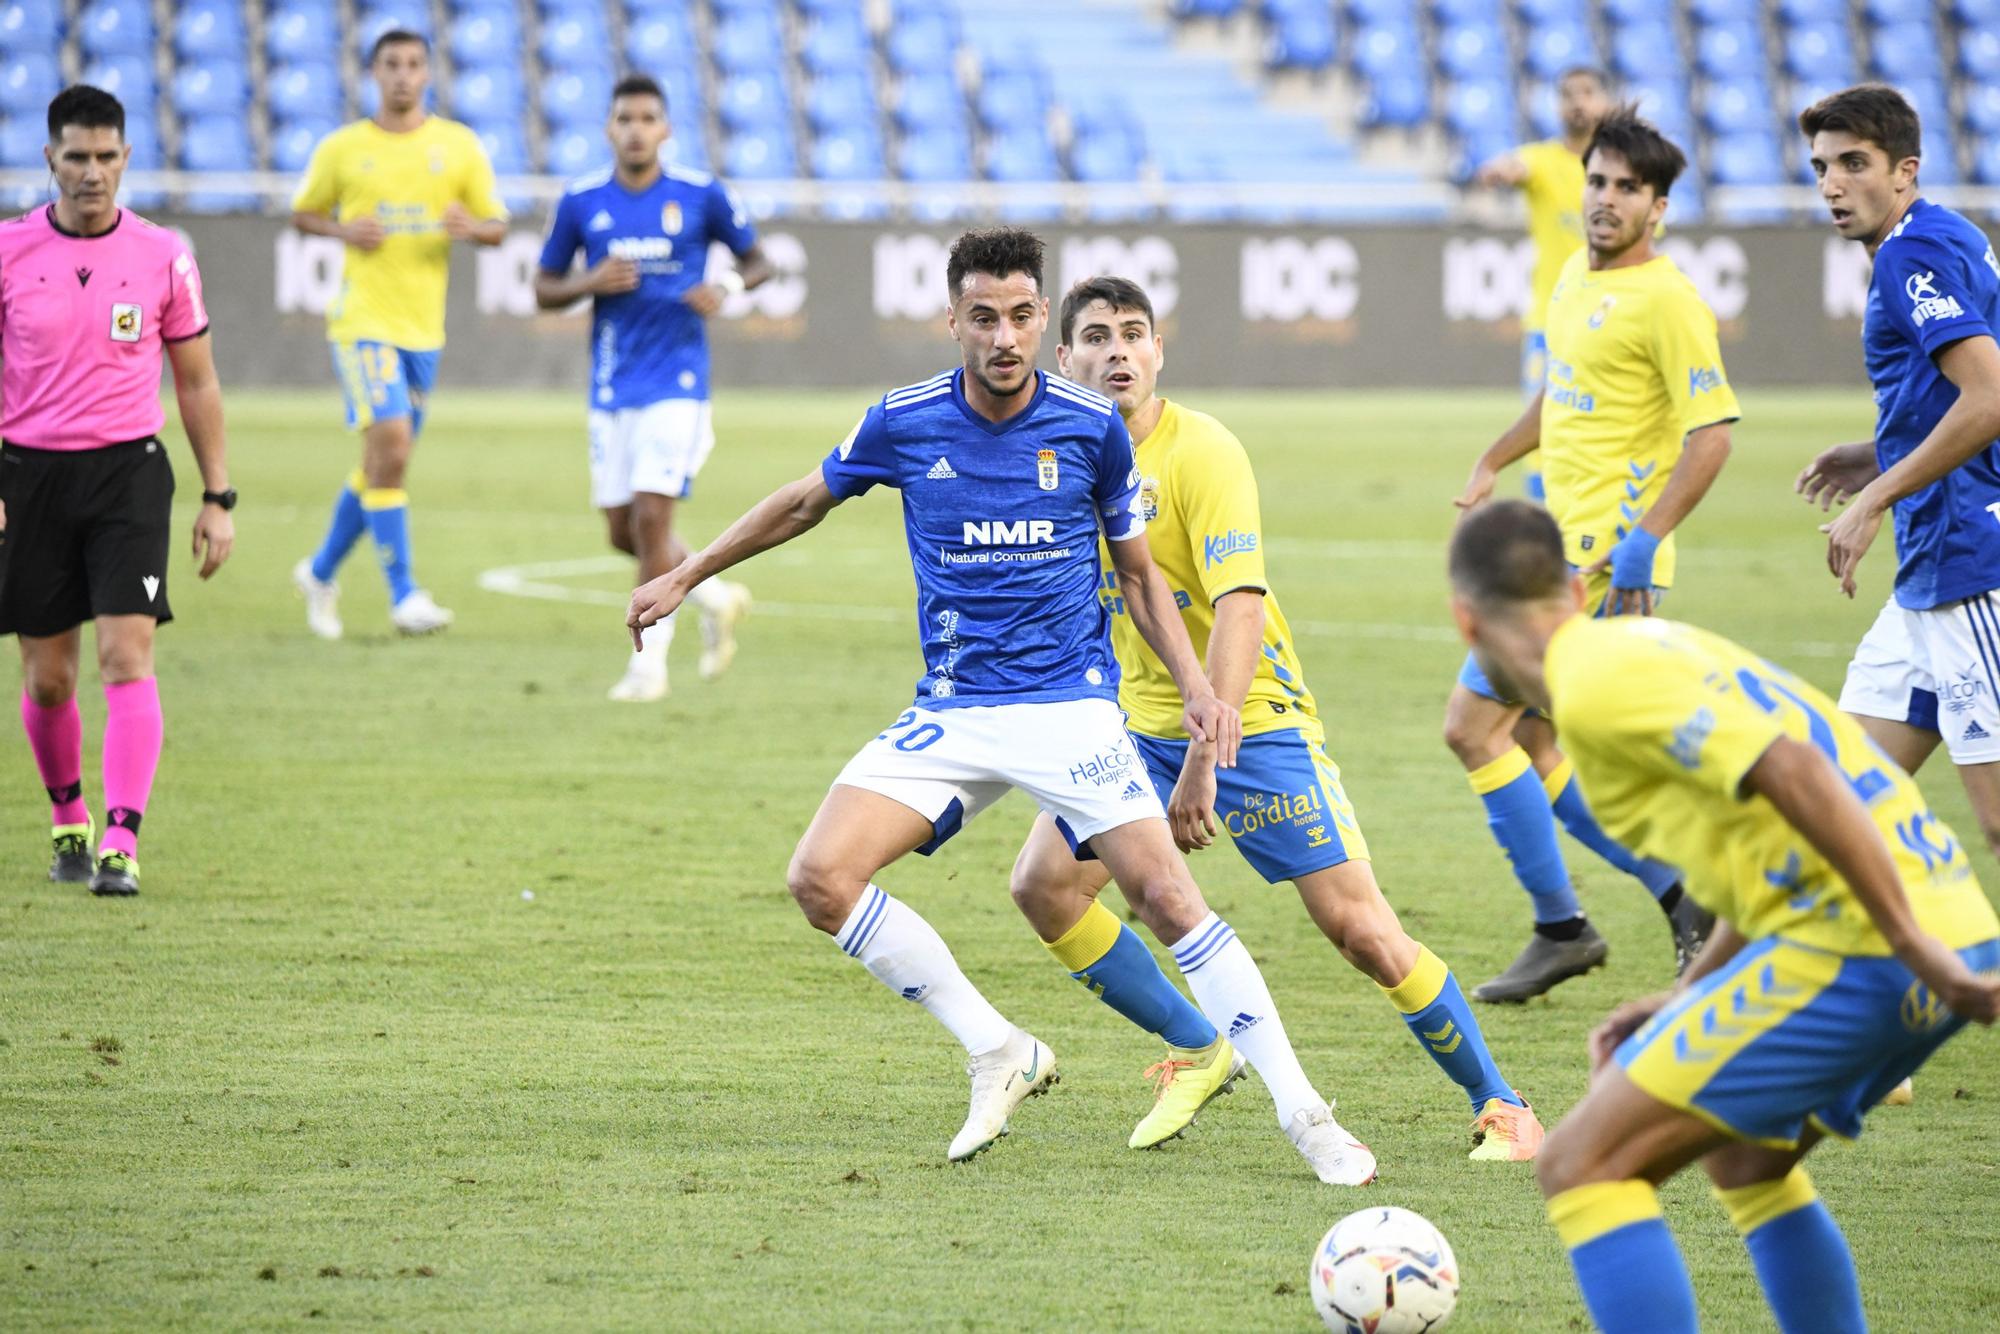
x=91 y=296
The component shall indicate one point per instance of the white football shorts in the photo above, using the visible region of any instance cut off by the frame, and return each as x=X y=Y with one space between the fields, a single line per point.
x=657 y=449
x=1074 y=758
x=1938 y=670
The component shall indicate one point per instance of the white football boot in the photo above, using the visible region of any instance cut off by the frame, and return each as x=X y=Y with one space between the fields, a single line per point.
x=417 y=614
x=1001 y=1081
x=1337 y=1157
x=644 y=681
x=718 y=630
x=322 y=600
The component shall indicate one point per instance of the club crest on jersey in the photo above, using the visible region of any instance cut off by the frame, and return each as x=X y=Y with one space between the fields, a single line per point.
x=1149 y=498
x=1603 y=311
x=437 y=162
x=1045 y=469
x=670 y=219
x=125 y=322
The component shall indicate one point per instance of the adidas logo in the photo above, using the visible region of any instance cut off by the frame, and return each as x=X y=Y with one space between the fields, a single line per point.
x=1974 y=732
x=915 y=993
x=600 y=223
x=941 y=471
x=1243 y=1023
x=1132 y=791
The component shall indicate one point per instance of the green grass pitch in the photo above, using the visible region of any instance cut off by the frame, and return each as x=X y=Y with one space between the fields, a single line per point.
x=335 y=1064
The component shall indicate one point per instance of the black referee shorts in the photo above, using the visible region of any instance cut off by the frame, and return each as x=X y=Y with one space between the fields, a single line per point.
x=87 y=534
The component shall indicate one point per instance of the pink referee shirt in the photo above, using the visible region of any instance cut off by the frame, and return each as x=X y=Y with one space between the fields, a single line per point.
x=83 y=323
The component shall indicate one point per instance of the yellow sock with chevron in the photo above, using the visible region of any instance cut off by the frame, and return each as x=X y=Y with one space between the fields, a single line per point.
x=1440 y=1018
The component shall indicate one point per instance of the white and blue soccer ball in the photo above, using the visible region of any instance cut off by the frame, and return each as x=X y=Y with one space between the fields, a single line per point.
x=1384 y=1271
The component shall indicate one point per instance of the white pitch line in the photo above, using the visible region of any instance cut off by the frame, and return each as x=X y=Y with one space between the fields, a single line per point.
x=535 y=581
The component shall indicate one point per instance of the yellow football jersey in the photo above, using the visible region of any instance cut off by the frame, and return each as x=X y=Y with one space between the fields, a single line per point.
x=1664 y=720
x=395 y=293
x=1633 y=368
x=1207 y=535
x=1553 y=190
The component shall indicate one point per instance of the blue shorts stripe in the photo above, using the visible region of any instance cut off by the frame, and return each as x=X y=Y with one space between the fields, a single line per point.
x=1986 y=634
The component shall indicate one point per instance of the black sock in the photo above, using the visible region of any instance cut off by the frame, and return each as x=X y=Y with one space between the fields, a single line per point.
x=1670 y=900
x=1570 y=928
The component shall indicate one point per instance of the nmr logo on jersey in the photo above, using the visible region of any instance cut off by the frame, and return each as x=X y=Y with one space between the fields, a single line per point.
x=998 y=532
x=1215 y=550
x=1926 y=302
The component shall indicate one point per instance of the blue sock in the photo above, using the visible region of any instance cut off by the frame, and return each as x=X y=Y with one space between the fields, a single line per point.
x=1566 y=799
x=1517 y=811
x=349 y=523
x=1438 y=1017
x=1801 y=1258
x=389 y=524
x=1108 y=957
x=1632 y=1275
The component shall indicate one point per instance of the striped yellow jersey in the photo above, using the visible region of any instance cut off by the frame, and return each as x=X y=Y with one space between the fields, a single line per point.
x=1664 y=721
x=395 y=294
x=1206 y=532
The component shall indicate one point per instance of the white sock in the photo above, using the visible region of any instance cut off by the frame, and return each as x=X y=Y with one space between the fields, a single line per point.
x=1231 y=992
x=711 y=595
x=912 y=960
x=653 y=641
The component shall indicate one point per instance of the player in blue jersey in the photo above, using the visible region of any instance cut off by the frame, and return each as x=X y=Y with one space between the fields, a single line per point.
x=1929 y=668
x=644 y=232
x=1008 y=477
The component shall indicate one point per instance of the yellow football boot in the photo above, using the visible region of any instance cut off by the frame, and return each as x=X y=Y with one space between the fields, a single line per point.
x=1184 y=1083
x=1504 y=1133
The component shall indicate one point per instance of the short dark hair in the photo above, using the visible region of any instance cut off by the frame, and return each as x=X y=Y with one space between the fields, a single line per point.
x=639 y=85
x=1871 y=111
x=1117 y=293
x=396 y=37
x=92 y=108
x=1508 y=552
x=1602 y=76
x=998 y=251
x=1651 y=154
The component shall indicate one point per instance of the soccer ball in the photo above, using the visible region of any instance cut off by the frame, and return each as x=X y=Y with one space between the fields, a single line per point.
x=1384 y=1271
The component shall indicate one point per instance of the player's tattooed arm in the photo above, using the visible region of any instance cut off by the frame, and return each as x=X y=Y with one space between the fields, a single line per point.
x=773 y=521
x=1818 y=801
x=1515 y=443
x=1837 y=474
x=1967 y=427
x=1158 y=620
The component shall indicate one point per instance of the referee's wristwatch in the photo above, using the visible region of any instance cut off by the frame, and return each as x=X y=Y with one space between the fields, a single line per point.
x=225 y=500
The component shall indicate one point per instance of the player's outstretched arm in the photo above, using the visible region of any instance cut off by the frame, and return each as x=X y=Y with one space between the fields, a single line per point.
x=1816 y=799
x=771 y=522
x=1837 y=474
x=198 y=392
x=1159 y=623
x=1967 y=427
x=1502 y=171
x=1515 y=443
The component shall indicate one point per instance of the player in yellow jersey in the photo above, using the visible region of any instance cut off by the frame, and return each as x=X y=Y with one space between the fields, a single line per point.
x=1852 y=939
x=398 y=189
x=1633 y=426
x=1282 y=804
x=1549 y=175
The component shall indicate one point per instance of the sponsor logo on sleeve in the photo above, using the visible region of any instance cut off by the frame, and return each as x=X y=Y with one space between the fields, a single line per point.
x=1220 y=547
x=1926 y=302
x=1703 y=379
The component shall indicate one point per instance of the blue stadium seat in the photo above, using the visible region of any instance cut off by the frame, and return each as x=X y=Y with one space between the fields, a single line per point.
x=1553 y=49
x=684 y=92
x=1940 y=160
x=115 y=28
x=1734 y=105
x=816 y=8
x=1725 y=11
x=1400 y=100
x=304 y=92
x=1979 y=54
x=1907 y=52
x=1637 y=49
x=724 y=8
x=576 y=96
x=760 y=155
x=1479 y=105
x=484 y=94
x=1482 y=11
x=217 y=143
x=749 y=42
x=1985 y=160
x=1022 y=155
x=1472 y=51
x=21 y=141
x=1303 y=40
x=927 y=100
x=504 y=146
x=1976 y=13
x=1982 y=109
x=1820 y=51
x=301 y=30
x=840 y=101
x=934 y=156
x=576 y=151
x=372 y=20
x=1376 y=13
x=1746 y=159
x=837 y=41
x=220 y=88
x=573 y=41
x=1539 y=105
x=1729 y=50
x=292 y=143
x=921 y=39
x=484 y=37
x=660 y=39
x=1812 y=11
x=209 y=30
x=1109 y=156
x=1387 y=49
x=128 y=78
x=35 y=25
x=754 y=101
x=1625 y=13
x=853 y=156
x=1539 y=13
x=1207 y=9
x=1886 y=13
x=1015 y=98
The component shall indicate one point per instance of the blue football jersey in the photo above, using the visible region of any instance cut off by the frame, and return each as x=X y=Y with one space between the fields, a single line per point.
x=647 y=344
x=1002 y=520
x=1936 y=281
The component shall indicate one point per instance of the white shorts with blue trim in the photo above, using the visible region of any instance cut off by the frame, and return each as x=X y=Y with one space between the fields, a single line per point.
x=1074 y=757
x=658 y=449
x=1938 y=669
